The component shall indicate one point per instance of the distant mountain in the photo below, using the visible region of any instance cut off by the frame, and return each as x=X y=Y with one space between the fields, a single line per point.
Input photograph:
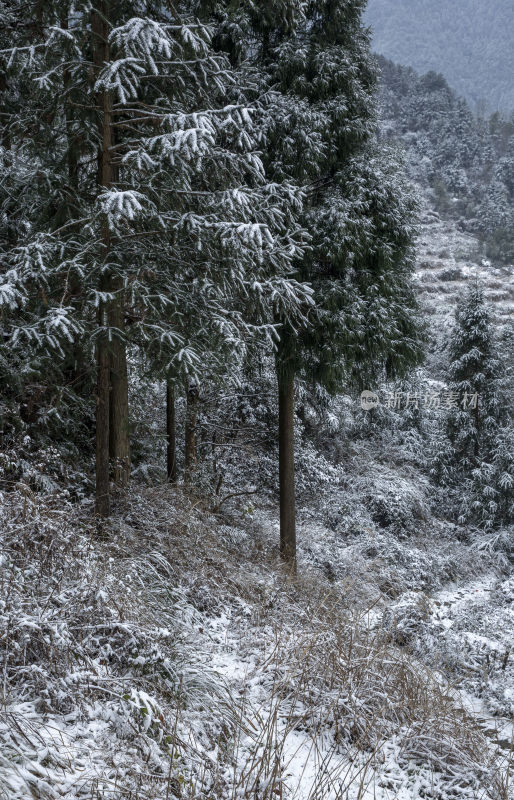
x=470 y=41
x=467 y=163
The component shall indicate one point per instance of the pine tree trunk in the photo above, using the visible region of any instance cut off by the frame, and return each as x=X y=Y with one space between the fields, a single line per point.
x=102 y=505
x=79 y=368
x=171 y=434
x=192 y=395
x=68 y=113
x=119 y=442
x=286 y=470
x=100 y=48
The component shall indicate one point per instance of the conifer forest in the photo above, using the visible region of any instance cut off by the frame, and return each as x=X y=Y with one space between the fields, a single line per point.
x=256 y=400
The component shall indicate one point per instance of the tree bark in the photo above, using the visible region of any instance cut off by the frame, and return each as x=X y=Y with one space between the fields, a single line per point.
x=68 y=113
x=119 y=441
x=192 y=395
x=100 y=48
x=171 y=434
x=286 y=470
x=102 y=504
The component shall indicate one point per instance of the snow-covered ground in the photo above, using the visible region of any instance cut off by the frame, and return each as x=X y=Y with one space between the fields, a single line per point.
x=448 y=259
x=169 y=654
x=176 y=658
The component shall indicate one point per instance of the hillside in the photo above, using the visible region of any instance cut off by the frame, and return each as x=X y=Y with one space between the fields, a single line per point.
x=256 y=419
x=467 y=164
x=167 y=653
x=469 y=41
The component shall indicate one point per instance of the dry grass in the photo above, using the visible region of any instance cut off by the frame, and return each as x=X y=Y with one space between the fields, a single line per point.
x=329 y=708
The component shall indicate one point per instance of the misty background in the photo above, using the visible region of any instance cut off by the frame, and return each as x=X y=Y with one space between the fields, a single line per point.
x=469 y=41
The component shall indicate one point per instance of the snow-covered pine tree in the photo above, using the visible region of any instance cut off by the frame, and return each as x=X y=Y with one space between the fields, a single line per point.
x=473 y=453
x=473 y=372
x=497 y=209
x=489 y=494
x=359 y=216
x=313 y=61
x=151 y=204
x=42 y=359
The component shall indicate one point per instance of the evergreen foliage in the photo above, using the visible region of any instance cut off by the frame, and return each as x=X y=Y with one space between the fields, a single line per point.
x=497 y=208
x=467 y=161
x=152 y=222
x=194 y=202
x=202 y=189
x=357 y=214
x=475 y=453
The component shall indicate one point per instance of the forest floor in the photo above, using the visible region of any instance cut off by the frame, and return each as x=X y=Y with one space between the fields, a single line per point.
x=175 y=657
x=171 y=655
x=168 y=653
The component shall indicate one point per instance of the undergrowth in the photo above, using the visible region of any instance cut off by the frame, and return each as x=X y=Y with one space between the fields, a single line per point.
x=167 y=654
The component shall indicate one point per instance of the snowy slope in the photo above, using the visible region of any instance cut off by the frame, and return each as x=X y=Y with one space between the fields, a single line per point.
x=168 y=654
x=448 y=259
